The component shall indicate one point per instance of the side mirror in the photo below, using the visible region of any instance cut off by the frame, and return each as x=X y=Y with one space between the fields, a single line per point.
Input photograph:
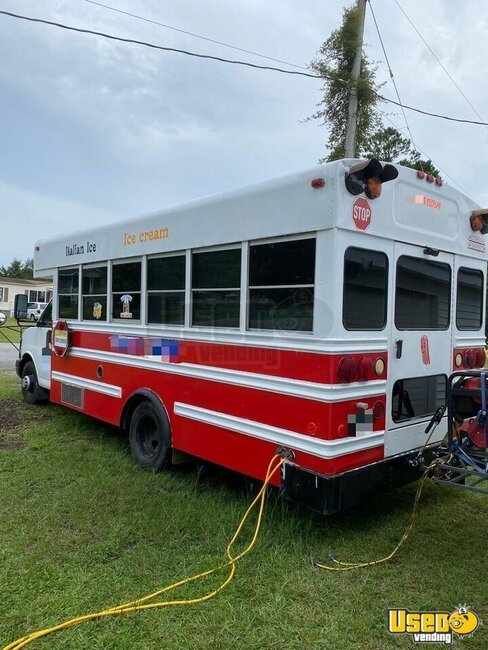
x=20 y=307
x=3 y=319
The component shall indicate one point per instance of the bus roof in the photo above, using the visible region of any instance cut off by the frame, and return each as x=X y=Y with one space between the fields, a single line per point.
x=410 y=209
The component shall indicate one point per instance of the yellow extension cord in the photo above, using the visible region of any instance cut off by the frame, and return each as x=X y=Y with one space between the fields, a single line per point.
x=143 y=604
x=349 y=566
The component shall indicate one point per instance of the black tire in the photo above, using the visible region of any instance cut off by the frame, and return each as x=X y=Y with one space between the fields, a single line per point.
x=149 y=436
x=31 y=391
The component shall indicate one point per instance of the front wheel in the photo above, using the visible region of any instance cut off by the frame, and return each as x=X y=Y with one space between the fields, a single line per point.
x=31 y=391
x=149 y=436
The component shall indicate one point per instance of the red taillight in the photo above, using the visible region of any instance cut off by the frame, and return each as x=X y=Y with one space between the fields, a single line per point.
x=365 y=369
x=378 y=410
x=480 y=358
x=347 y=370
x=470 y=358
x=356 y=369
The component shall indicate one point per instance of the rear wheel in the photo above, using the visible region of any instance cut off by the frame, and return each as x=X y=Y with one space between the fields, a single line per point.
x=31 y=391
x=149 y=437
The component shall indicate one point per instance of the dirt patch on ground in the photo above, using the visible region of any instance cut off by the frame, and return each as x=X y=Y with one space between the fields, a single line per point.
x=14 y=416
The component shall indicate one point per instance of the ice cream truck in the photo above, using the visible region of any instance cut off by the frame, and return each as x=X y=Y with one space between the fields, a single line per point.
x=318 y=315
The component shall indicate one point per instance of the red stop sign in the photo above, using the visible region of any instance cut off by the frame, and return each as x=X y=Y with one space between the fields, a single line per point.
x=361 y=213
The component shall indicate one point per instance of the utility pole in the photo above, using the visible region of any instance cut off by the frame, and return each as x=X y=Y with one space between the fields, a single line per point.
x=350 y=144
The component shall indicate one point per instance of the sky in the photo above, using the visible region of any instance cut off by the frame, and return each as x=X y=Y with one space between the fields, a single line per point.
x=94 y=131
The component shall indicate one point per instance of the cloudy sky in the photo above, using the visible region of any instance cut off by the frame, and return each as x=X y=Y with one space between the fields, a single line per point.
x=93 y=130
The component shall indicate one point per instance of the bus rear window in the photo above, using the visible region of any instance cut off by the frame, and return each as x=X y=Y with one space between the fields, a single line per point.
x=365 y=289
x=469 y=309
x=417 y=397
x=423 y=294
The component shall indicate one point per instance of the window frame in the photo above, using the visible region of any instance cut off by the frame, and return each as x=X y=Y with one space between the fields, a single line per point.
x=192 y=290
x=386 y=300
x=149 y=292
x=482 y=294
x=95 y=265
x=111 y=292
x=449 y=301
x=278 y=240
x=78 y=294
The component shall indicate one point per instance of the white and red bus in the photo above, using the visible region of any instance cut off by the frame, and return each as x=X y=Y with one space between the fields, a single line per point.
x=297 y=314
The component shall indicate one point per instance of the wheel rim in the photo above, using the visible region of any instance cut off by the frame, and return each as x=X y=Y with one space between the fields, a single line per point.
x=147 y=436
x=28 y=384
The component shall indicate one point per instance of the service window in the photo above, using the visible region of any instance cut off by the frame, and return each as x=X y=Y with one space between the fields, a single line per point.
x=68 y=286
x=94 y=292
x=281 y=285
x=365 y=289
x=417 y=397
x=423 y=294
x=126 y=290
x=166 y=290
x=469 y=309
x=216 y=281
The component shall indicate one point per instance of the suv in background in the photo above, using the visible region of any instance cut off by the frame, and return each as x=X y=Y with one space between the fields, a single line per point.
x=35 y=309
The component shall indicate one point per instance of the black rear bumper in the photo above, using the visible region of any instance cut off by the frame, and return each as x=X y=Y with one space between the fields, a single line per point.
x=331 y=493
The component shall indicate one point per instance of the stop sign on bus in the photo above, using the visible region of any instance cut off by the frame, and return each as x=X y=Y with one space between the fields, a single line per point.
x=361 y=213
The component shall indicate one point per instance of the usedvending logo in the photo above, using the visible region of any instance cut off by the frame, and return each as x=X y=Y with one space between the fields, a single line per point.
x=434 y=627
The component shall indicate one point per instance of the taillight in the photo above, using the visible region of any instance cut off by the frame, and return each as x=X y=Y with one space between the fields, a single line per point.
x=365 y=369
x=378 y=410
x=470 y=358
x=347 y=370
x=359 y=369
x=480 y=357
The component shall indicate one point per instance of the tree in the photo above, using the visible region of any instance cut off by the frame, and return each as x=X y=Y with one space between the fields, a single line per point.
x=18 y=269
x=334 y=63
x=387 y=144
x=416 y=162
x=373 y=139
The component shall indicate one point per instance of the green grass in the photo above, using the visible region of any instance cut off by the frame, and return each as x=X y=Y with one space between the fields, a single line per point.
x=81 y=528
x=6 y=331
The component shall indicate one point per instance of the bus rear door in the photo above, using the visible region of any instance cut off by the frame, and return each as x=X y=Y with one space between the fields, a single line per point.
x=421 y=345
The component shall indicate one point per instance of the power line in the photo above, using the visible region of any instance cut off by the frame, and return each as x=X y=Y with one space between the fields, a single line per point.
x=391 y=72
x=154 y=46
x=235 y=62
x=445 y=174
x=438 y=60
x=203 y=38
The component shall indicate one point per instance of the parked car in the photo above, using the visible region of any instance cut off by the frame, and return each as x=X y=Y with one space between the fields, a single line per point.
x=35 y=309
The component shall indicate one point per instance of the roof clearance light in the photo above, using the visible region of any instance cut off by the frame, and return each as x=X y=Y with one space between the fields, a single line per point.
x=421 y=174
x=318 y=182
x=37 y=248
x=429 y=178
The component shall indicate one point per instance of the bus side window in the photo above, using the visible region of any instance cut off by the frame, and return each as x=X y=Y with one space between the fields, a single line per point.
x=365 y=289
x=166 y=290
x=469 y=304
x=281 y=285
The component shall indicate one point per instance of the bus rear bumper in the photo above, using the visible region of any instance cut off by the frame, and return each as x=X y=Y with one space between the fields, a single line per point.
x=332 y=493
